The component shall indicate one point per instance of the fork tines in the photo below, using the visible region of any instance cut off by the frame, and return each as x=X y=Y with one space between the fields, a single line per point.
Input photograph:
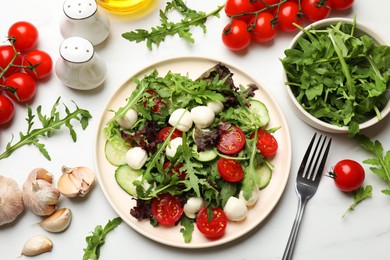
x=310 y=168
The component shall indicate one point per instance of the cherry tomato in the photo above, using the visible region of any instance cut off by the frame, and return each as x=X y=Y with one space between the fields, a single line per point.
x=25 y=35
x=236 y=7
x=261 y=29
x=41 y=61
x=231 y=141
x=175 y=170
x=235 y=35
x=340 y=5
x=214 y=227
x=289 y=14
x=266 y=143
x=167 y=209
x=261 y=5
x=163 y=133
x=348 y=175
x=7 y=53
x=314 y=11
x=24 y=85
x=230 y=170
x=6 y=110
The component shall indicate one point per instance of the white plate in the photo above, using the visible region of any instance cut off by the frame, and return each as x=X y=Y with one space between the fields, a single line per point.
x=269 y=197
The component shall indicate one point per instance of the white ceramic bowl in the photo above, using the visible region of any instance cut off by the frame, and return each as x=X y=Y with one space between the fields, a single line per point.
x=306 y=116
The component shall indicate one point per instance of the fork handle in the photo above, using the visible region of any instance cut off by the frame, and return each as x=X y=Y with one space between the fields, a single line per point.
x=294 y=231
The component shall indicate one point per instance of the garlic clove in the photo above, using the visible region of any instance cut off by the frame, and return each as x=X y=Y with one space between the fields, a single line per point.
x=11 y=200
x=76 y=181
x=36 y=245
x=58 y=221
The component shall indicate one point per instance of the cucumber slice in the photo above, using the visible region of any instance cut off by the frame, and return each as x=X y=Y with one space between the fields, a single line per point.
x=125 y=176
x=260 y=109
x=116 y=152
x=265 y=174
x=204 y=156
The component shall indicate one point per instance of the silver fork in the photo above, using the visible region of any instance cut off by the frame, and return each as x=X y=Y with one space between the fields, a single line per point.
x=308 y=178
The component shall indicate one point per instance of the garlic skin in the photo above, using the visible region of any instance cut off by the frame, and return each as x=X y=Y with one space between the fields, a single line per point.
x=11 y=200
x=36 y=245
x=39 y=194
x=76 y=181
x=58 y=221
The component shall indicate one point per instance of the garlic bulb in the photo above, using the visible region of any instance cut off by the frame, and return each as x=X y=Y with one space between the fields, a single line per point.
x=76 y=181
x=11 y=200
x=39 y=194
x=36 y=245
x=58 y=221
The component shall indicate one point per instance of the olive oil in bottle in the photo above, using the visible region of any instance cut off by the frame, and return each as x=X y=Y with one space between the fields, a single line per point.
x=131 y=7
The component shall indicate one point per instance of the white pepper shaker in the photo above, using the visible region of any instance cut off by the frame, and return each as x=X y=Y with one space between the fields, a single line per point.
x=83 y=18
x=79 y=66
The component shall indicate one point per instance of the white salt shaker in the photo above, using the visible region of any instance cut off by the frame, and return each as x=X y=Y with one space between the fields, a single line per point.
x=79 y=66
x=83 y=18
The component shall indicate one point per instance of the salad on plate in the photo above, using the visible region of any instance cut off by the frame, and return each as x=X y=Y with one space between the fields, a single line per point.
x=193 y=153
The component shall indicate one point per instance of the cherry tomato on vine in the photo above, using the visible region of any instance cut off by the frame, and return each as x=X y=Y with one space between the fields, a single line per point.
x=231 y=141
x=261 y=28
x=167 y=209
x=235 y=35
x=266 y=143
x=315 y=10
x=236 y=7
x=7 y=110
x=7 y=53
x=348 y=175
x=25 y=35
x=230 y=170
x=260 y=5
x=24 y=85
x=340 y=5
x=41 y=61
x=214 y=227
x=287 y=15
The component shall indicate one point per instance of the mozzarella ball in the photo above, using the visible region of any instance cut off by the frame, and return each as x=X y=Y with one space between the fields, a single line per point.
x=202 y=116
x=136 y=157
x=129 y=119
x=216 y=106
x=235 y=209
x=193 y=205
x=181 y=118
x=171 y=148
x=253 y=199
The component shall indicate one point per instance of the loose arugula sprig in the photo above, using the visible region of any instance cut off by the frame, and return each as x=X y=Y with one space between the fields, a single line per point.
x=361 y=194
x=381 y=161
x=50 y=122
x=97 y=239
x=158 y=34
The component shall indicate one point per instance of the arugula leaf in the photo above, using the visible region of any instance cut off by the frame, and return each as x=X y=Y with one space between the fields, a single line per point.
x=50 y=122
x=359 y=195
x=187 y=228
x=97 y=239
x=381 y=160
x=158 y=34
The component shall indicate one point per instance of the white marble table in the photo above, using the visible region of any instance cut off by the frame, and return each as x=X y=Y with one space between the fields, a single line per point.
x=363 y=234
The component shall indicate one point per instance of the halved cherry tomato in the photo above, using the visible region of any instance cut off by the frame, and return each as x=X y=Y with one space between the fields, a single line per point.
x=314 y=10
x=214 y=227
x=25 y=35
x=41 y=61
x=235 y=35
x=7 y=53
x=289 y=14
x=167 y=209
x=340 y=5
x=24 y=85
x=348 y=175
x=175 y=170
x=261 y=27
x=266 y=143
x=163 y=133
x=232 y=140
x=6 y=110
x=230 y=170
